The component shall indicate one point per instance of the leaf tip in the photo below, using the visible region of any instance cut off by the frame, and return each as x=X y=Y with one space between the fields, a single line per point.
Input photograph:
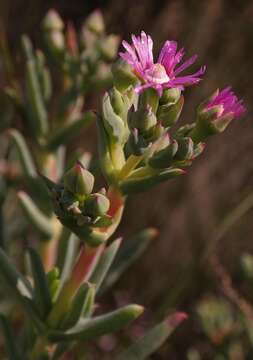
x=176 y=319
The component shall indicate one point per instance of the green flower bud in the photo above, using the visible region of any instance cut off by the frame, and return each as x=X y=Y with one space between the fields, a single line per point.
x=78 y=180
x=156 y=132
x=168 y=113
x=109 y=46
x=96 y=205
x=143 y=119
x=149 y=98
x=137 y=144
x=170 y=96
x=116 y=101
x=185 y=149
x=53 y=28
x=114 y=124
x=123 y=76
x=52 y=21
x=209 y=123
x=95 y=22
x=163 y=158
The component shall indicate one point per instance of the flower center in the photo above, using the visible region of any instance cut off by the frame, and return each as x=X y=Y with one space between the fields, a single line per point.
x=157 y=74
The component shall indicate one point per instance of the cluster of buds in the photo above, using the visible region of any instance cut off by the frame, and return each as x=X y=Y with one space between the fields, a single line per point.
x=83 y=55
x=78 y=208
x=139 y=147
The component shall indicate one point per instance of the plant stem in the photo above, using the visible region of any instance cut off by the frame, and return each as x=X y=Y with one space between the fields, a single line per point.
x=86 y=262
x=130 y=165
x=118 y=157
x=48 y=248
x=84 y=265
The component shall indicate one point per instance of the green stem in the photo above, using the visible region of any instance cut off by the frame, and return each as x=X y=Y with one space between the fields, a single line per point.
x=130 y=165
x=117 y=156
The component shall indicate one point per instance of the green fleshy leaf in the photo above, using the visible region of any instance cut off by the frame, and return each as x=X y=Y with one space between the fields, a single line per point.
x=44 y=76
x=153 y=339
x=131 y=250
x=88 y=329
x=67 y=252
x=25 y=155
x=20 y=288
x=77 y=307
x=104 y=263
x=40 y=221
x=36 y=105
x=88 y=306
x=41 y=289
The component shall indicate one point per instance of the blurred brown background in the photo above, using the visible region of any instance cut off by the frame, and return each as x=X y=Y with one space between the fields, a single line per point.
x=187 y=211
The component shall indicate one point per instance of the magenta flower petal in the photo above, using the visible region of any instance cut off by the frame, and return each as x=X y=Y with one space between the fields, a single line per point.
x=163 y=73
x=228 y=102
x=188 y=79
x=186 y=64
x=167 y=55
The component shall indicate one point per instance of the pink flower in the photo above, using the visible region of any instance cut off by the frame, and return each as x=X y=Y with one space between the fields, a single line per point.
x=164 y=73
x=227 y=103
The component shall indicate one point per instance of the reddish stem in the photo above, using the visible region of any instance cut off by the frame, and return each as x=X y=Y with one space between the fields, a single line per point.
x=85 y=264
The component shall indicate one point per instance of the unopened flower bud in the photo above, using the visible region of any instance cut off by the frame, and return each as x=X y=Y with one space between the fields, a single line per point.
x=149 y=98
x=123 y=76
x=185 y=149
x=52 y=21
x=97 y=205
x=78 y=180
x=170 y=96
x=137 y=144
x=116 y=101
x=114 y=124
x=169 y=113
x=95 y=22
x=53 y=28
x=109 y=46
x=215 y=114
x=156 y=132
x=163 y=158
x=143 y=119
